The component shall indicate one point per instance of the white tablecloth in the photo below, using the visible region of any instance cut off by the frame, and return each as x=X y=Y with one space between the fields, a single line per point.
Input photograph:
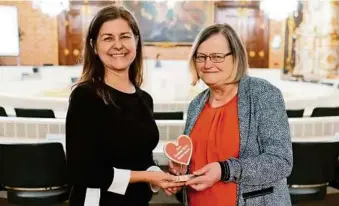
x=158 y=153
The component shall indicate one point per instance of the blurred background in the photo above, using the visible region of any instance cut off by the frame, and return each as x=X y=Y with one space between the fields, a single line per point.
x=299 y=40
x=293 y=44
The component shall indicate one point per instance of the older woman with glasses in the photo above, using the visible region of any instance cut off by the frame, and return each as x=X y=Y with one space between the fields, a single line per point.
x=242 y=150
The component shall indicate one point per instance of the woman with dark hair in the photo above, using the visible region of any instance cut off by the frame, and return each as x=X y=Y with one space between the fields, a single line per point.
x=110 y=129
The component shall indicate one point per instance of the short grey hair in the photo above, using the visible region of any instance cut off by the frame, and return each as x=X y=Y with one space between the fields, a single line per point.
x=236 y=46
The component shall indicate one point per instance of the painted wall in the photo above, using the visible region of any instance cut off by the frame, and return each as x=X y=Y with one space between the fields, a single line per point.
x=39 y=44
x=317 y=40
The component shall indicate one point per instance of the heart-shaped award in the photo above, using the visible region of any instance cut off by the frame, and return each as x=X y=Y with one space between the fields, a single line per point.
x=181 y=151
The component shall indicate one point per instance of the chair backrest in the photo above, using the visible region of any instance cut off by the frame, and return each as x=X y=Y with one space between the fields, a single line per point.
x=295 y=113
x=327 y=83
x=35 y=113
x=74 y=79
x=34 y=165
x=1 y=167
x=325 y=111
x=168 y=115
x=3 y=112
x=313 y=162
x=35 y=70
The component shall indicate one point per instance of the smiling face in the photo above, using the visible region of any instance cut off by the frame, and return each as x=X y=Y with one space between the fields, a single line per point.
x=116 y=45
x=212 y=73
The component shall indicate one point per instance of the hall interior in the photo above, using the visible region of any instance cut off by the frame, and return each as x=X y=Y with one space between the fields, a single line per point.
x=292 y=44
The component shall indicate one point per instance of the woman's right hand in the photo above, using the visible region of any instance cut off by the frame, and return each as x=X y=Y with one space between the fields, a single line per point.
x=177 y=169
x=163 y=180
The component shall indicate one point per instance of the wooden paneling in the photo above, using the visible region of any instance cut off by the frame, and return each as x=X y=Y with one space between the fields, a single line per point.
x=251 y=26
x=72 y=29
x=70 y=37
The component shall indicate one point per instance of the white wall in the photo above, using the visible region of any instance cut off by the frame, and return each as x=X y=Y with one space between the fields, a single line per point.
x=168 y=85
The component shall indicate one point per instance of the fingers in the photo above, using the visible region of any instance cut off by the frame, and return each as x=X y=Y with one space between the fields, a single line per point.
x=177 y=168
x=171 y=178
x=176 y=189
x=168 y=192
x=170 y=165
x=199 y=187
x=196 y=180
x=174 y=167
x=201 y=171
x=183 y=169
x=174 y=184
x=171 y=190
x=166 y=185
x=177 y=165
x=195 y=187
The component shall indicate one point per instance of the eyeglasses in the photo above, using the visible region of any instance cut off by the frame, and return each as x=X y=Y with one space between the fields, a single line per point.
x=214 y=57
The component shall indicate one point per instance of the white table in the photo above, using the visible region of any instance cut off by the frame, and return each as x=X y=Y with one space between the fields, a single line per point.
x=158 y=153
x=323 y=139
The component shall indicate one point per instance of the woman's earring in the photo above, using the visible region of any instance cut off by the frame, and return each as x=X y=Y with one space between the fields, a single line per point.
x=91 y=43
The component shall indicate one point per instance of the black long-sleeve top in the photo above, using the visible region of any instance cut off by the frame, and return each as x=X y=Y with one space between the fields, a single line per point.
x=100 y=136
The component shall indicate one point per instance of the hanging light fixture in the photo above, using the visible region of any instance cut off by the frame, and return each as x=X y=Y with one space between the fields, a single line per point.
x=51 y=7
x=278 y=10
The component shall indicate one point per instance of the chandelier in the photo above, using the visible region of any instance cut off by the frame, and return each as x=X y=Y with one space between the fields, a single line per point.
x=51 y=7
x=278 y=10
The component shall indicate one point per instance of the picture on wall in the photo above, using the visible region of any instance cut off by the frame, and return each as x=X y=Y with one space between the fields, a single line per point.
x=175 y=22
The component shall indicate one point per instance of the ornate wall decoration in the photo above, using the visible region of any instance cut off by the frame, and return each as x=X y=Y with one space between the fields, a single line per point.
x=317 y=44
x=170 y=22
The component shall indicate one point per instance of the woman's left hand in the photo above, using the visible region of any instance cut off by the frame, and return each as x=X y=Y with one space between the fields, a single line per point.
x=206 y=177
x=172 y=190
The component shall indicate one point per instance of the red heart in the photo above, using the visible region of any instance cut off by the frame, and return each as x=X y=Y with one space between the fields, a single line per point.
x=181 y=152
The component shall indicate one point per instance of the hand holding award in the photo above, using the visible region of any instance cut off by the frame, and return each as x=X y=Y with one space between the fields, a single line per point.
x=179 y=154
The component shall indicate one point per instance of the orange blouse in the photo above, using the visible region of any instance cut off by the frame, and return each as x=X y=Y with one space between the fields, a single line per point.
x=215 y=137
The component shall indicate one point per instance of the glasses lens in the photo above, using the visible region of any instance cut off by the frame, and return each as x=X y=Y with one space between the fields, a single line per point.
x=200 y=58
x=217 y=58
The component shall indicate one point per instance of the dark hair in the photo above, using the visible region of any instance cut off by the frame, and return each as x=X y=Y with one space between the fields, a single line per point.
x=93 y=68
x=236 y=46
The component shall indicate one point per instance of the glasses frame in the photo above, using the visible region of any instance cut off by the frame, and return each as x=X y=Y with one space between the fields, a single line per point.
x=210 y=57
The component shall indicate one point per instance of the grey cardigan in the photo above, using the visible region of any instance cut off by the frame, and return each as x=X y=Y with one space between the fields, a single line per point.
x=265 y=158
